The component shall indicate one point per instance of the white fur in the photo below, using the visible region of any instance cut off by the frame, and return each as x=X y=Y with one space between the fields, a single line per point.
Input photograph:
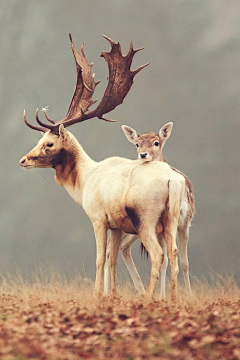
x=106 y=188
x=154 y=153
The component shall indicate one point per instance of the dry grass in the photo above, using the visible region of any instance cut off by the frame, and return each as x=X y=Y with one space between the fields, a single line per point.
x=50 y=318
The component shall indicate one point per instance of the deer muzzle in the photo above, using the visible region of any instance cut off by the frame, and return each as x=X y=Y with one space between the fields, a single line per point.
x=145 y=156
x=26 y=163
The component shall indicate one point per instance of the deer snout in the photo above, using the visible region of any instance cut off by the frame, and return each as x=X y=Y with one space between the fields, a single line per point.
x=143 y=155
x=26 y=163
x=22 y=161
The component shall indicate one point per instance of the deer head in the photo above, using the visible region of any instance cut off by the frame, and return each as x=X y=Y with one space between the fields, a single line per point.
x=150 y=145
x=49 y=150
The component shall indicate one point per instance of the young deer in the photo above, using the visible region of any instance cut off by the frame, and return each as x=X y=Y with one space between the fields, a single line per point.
x=117 y=194
x=149 y=148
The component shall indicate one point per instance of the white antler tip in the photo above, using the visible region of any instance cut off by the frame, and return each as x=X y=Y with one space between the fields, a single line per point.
x=45 y=109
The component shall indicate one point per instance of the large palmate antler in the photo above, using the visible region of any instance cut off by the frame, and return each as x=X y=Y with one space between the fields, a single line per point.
x=120 y=80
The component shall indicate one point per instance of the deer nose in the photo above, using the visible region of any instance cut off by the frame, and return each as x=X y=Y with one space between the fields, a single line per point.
x=22 y=161
x=143 y=155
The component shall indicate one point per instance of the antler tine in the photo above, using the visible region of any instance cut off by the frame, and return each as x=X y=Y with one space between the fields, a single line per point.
x=70 y=37
x=140 y=68
x=131 y=54
x=48 y=118
x=43 y=129
x=109 y=39
x=131 y=49
x=48 y=126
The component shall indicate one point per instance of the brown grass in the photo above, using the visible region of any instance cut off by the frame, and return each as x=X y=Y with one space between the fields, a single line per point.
x=50 y=318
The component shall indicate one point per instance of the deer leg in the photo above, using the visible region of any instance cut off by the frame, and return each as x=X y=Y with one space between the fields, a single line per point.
x=164 y=266
x=101 y=243
x=183 y=237
x=125 y=247
x=115 y=241
x=170 y=237
x=107 y=280
x=150 y=241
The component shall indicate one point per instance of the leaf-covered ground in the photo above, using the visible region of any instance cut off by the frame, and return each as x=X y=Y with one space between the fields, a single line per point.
x=56 y=320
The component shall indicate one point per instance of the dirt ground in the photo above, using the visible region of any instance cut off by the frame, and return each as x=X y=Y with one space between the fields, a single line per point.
x=54 y=319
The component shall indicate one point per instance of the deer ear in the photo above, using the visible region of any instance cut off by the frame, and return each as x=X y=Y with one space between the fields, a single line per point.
x=62 y=132
x=130 y=134
x=165 y=131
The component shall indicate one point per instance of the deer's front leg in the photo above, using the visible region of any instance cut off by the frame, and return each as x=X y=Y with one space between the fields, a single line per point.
x=164 y=266
x=100 y=231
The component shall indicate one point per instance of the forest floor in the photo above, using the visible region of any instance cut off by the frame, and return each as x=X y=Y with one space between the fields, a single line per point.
x=52 y=319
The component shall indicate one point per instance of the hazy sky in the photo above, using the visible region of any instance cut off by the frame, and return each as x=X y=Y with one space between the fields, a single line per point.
x=193 y=80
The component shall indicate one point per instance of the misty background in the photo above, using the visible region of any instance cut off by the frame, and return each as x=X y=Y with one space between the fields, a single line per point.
x=193 y=80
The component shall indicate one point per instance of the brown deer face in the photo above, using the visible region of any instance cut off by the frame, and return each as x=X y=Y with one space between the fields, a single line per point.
x=47 y=153
x=150 y=145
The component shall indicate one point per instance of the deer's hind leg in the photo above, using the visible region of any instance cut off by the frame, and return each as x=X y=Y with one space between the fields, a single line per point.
x=125 y=247
x=145 y=226
x=170 y=232
x=183 y=237
x=150 y=241
x=107 y=280
x=164 y=266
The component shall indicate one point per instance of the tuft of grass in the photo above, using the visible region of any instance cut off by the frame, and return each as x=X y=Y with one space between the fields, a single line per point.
x=49 y=286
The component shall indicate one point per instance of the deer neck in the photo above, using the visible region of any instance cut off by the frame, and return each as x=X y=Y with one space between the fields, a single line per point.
x=72 y=169
x=160 y=157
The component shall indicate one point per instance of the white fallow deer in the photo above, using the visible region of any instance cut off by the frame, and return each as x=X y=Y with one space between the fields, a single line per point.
x=117 y=194
x=149 y=147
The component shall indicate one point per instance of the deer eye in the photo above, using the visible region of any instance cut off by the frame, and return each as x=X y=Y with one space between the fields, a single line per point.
x=137 y=145
x=49 y=144
x=156 y=143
